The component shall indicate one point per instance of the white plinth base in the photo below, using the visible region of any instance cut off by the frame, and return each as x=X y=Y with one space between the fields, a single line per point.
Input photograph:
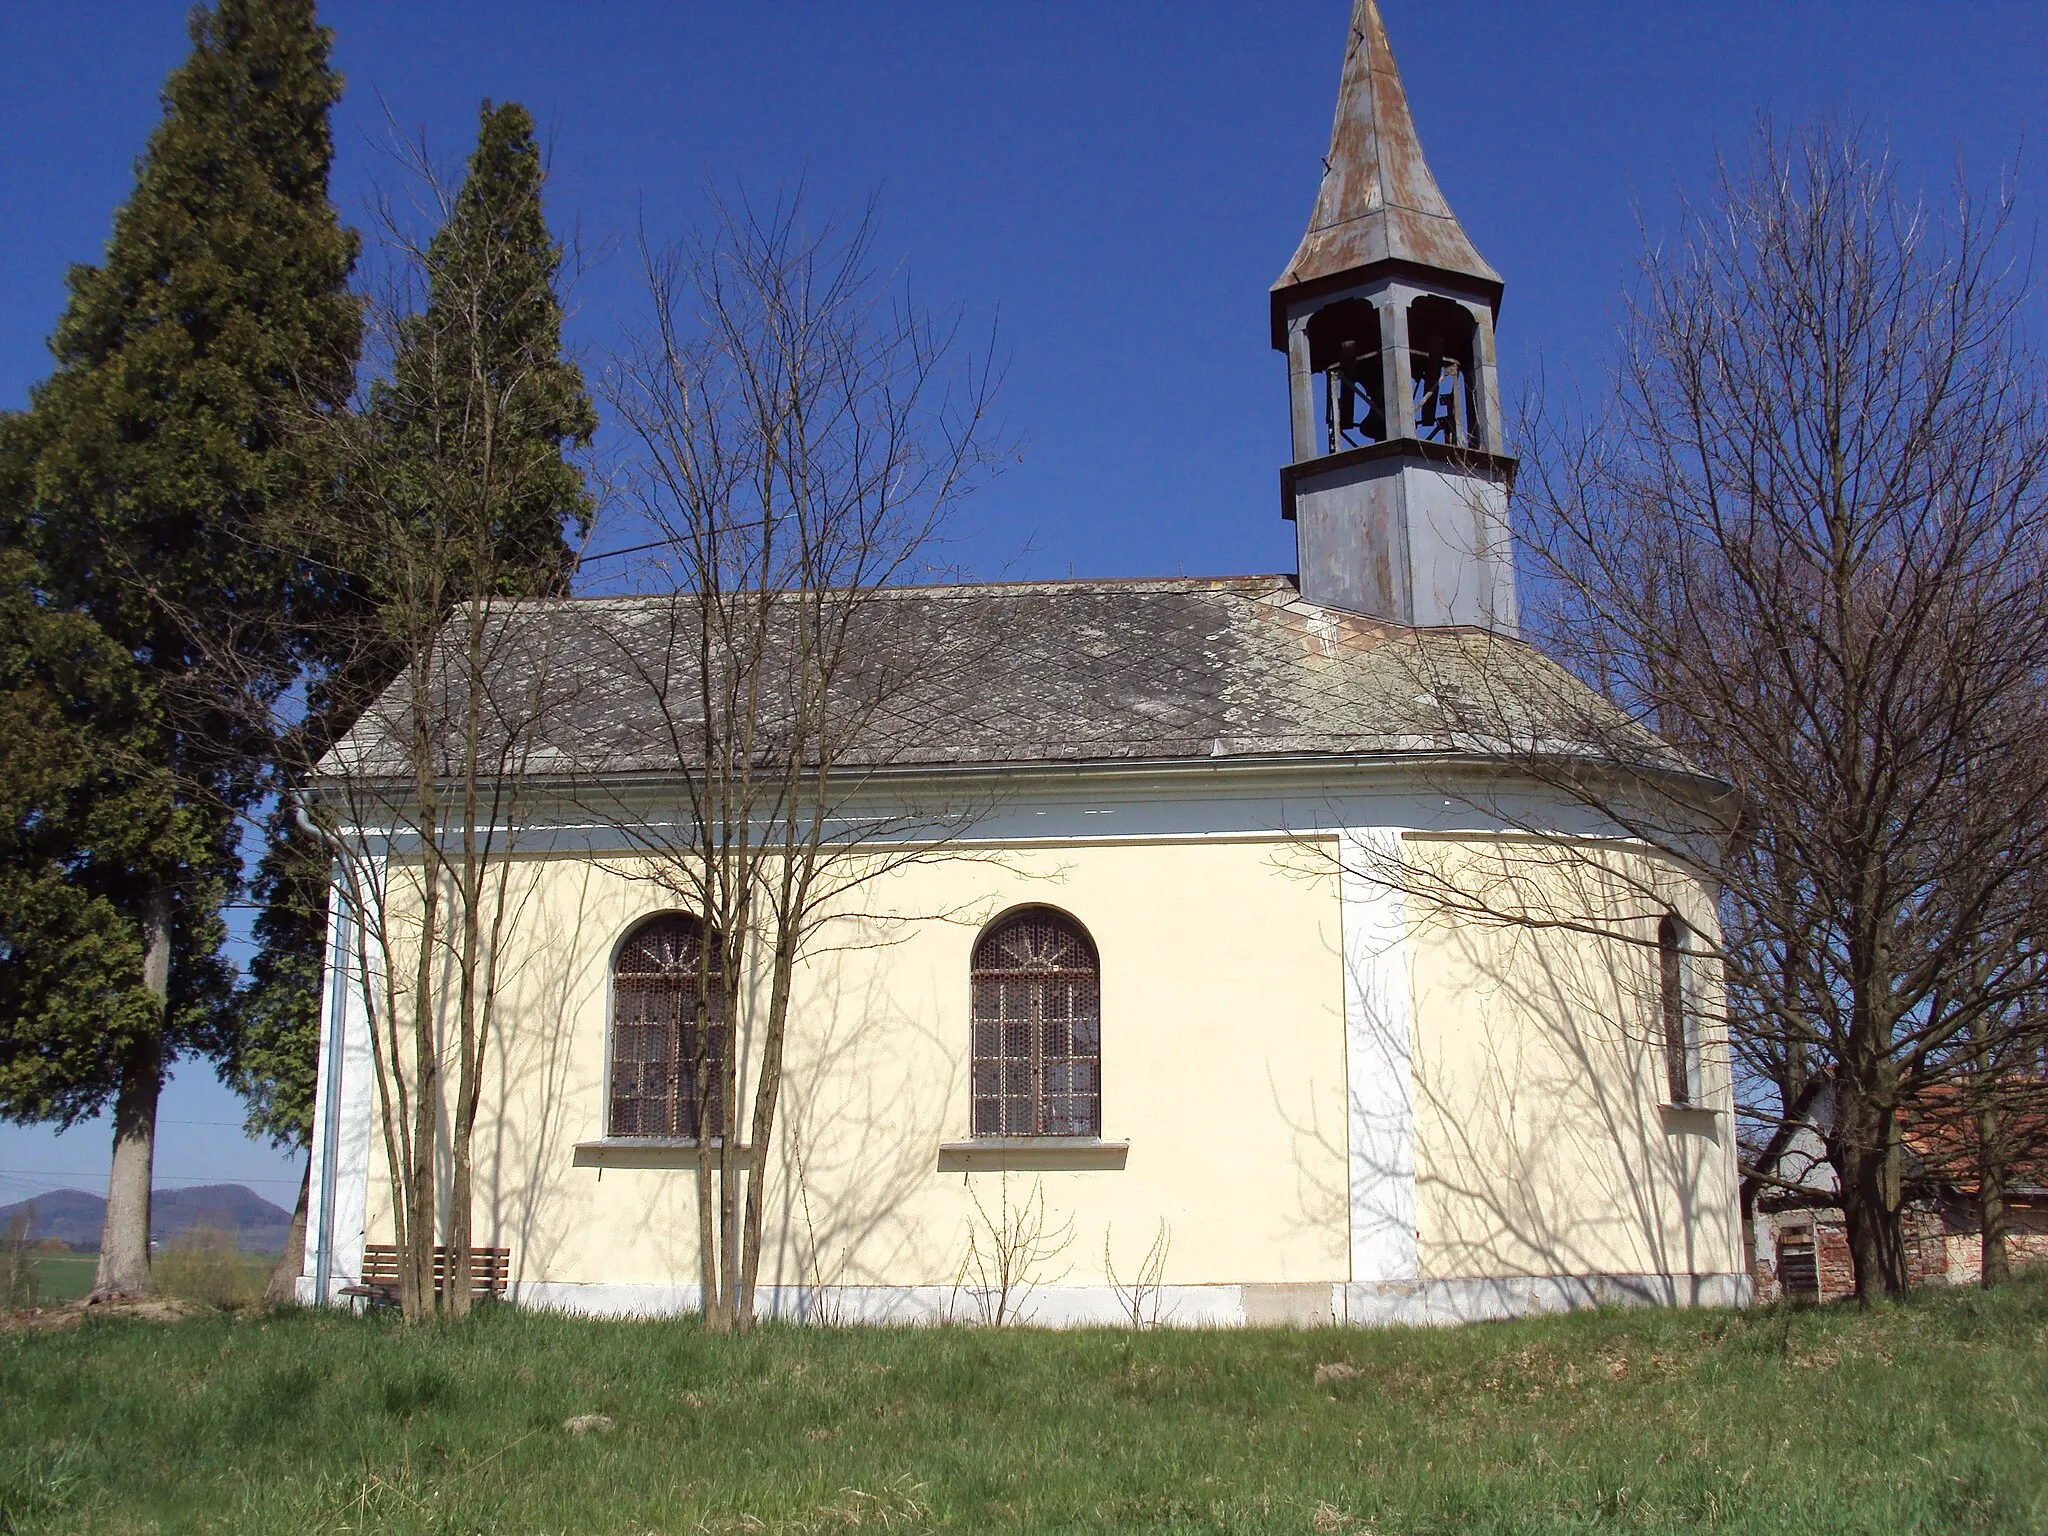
x=1427 y=1303
x=1418 y=1304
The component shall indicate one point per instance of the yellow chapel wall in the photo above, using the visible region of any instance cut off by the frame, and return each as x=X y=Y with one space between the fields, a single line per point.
x=1222 y=1066
x=1543 y=1146
x=1540 y=1144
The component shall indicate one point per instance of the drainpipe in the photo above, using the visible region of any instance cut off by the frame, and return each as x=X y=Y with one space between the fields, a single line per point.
x=330 y=1091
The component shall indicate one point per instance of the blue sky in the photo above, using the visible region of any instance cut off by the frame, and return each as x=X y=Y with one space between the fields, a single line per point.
x=1116 y=183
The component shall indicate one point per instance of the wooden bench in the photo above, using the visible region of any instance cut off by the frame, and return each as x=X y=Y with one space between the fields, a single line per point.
x=489 y=1271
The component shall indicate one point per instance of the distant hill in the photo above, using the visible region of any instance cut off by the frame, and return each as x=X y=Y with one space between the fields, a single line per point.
x=74 y=1217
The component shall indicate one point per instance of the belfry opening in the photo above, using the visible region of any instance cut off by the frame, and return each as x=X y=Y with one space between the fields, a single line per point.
x=1344 y=350
x=1440 y=336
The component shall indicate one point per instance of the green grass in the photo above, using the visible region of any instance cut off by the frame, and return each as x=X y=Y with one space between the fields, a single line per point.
x=64 y=1276
x=68 y=1276
x=1928 y=1416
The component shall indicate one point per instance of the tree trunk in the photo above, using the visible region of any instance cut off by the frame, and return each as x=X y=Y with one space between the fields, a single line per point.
x=1993 y=1218
x=458 y=1283
x=416 y=1276
x=729 y=1178
x=124 y=1240
x=455 y=1285
x=709 y=1162
x=707 y=1226
x=1866 y=1166
x=416 y=1257
x=283 y=1288
x=470 y=887
x=767 y=1095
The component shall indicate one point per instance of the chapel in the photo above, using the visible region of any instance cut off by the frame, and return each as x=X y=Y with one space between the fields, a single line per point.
x=1219 y=979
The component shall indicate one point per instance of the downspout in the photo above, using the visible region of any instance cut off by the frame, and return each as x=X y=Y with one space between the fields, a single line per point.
x=330 y=1090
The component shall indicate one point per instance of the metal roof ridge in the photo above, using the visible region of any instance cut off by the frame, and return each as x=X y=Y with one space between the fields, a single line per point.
x=1262 y=582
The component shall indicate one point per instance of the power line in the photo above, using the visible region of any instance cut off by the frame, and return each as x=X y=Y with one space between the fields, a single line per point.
x=161 y=1178
x=230 y=1124
x=631 y=549
x=671 y=542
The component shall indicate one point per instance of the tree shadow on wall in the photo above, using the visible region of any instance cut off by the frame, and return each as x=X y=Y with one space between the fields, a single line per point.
x=1542 y=1146
x=859 y=1127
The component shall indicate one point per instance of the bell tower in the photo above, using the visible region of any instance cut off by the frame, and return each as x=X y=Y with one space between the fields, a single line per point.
x=1399 y=486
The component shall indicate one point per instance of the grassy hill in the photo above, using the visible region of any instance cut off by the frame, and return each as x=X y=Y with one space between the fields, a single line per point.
x=1927 y=1416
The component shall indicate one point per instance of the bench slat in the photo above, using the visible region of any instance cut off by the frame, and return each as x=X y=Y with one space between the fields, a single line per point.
x=489 y=1268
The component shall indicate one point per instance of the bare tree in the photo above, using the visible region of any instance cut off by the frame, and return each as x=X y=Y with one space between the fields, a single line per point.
x=804 y=431
x=1799 y=558
x=1140 y=1297
x=1008 y=1252
x=417 y=748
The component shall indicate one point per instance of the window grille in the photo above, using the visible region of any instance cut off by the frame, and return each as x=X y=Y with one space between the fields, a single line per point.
x=1037 y=1028
x=1672 y=1002
x=655 y=998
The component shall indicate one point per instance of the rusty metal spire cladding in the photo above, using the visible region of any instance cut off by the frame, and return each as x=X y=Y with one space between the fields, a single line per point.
x=1379 y=205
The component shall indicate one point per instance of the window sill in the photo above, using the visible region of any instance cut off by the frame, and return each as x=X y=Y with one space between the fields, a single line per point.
x=1690 y=1117
x=1004 y=1154
x=649 y=1152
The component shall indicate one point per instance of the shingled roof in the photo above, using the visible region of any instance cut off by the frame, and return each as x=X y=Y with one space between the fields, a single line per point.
x=1043 y=673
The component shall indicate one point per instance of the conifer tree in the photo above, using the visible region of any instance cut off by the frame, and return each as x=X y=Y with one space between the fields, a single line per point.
x=492 y=327
x=161 y=448
x=82 y=806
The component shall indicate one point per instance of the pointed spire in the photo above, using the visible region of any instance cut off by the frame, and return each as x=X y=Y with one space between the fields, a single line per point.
x=1379 y=202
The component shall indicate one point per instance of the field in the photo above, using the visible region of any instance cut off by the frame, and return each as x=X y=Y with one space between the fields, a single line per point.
x=64 y=1276
x=68 y=1276
x=1927 y=1416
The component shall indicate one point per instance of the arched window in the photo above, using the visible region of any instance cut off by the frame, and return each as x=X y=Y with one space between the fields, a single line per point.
x=655 y=996
x=1672 y=1005
x=1037 y=1028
